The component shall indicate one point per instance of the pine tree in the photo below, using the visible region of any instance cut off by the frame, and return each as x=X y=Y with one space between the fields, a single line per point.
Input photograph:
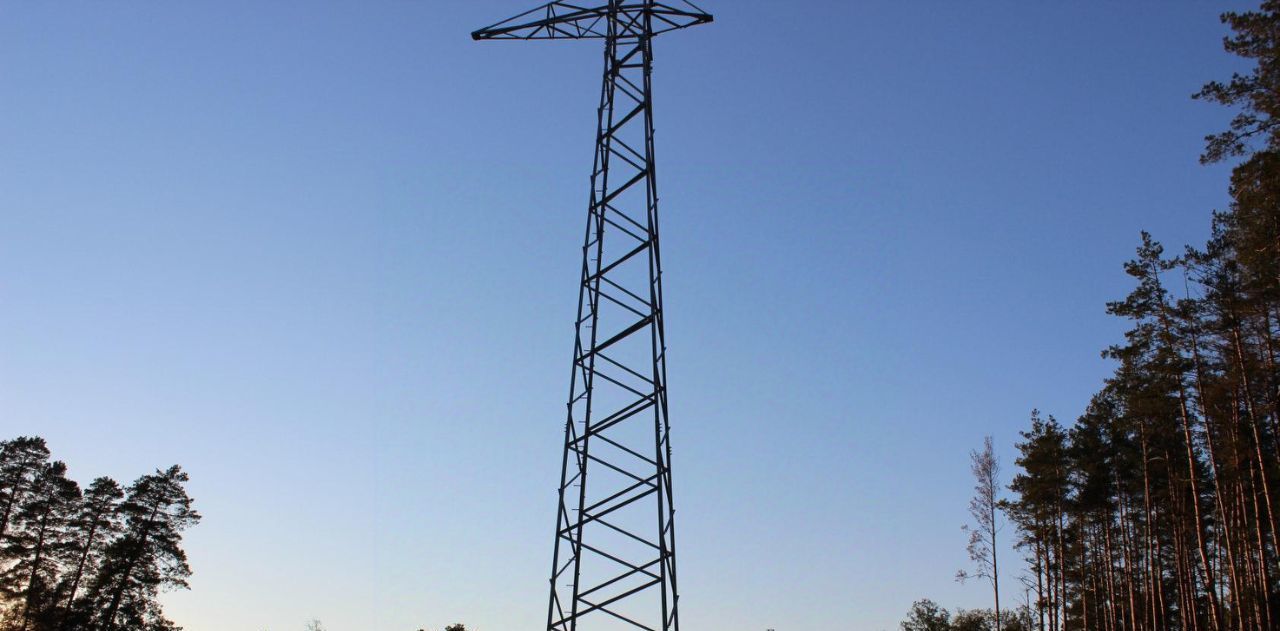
x=1038 y=510
x=1254 y=37
x=37 y=544
x=95 y=523
x=20 y=460
x=146 y=558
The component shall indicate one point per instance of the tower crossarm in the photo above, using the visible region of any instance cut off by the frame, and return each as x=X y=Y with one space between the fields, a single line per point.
x=569 y=20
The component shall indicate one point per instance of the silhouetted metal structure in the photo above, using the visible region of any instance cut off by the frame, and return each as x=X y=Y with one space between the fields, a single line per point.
x=614 y=563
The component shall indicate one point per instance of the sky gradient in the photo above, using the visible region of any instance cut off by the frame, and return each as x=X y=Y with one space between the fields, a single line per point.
x=324 y=254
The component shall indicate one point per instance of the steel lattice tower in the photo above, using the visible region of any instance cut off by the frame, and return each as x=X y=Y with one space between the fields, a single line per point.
x=614 y=564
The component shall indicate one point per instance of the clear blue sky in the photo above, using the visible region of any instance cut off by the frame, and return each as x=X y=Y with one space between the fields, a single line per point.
x=324 y=256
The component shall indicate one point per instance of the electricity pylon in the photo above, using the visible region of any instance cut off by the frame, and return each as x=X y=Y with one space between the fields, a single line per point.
x=614 y=564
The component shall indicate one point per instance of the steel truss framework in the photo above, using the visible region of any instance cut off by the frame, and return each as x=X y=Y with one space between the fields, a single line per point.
x=614 y=564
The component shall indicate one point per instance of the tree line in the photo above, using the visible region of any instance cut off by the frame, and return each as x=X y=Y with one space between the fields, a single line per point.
x=926 y=615
x=1159 y=508
x=91 y=559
